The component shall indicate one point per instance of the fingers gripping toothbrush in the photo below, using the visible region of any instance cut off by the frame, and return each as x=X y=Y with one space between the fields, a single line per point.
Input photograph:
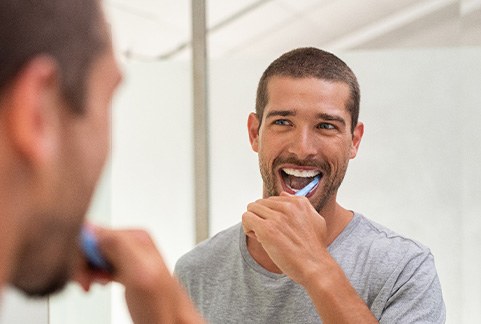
x=90 y=248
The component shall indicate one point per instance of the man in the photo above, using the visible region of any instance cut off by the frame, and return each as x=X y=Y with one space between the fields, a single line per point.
x=297 y=259
x=57 y=77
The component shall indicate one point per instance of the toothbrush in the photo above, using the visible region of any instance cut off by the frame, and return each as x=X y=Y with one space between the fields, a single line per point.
x=307 y=189
x=91 y=250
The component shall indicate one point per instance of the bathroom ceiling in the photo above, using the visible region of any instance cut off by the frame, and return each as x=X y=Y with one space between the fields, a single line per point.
x=156 y=29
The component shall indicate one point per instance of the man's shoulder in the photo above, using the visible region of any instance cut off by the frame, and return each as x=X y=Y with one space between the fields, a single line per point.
x=391 y=268
x=376 y=244
x=207 y=252
x=376 y=234
x=385 y=253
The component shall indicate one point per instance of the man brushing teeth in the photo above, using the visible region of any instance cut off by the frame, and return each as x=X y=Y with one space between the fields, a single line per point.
x=295 y=179
x=306 y=259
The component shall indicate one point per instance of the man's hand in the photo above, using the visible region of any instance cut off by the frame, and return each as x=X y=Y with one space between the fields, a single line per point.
x=292 y=233
x=152 y=294
x=294 y=236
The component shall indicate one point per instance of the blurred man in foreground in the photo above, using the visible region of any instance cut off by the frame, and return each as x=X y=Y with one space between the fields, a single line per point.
x=57 y=78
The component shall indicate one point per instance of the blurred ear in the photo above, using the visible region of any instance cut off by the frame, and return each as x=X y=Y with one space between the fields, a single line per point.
x=33 y=112
x=253 y=129
x=356 y=139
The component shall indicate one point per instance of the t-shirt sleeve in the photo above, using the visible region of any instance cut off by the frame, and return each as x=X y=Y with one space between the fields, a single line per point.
x=416 y=296
x=182 y=272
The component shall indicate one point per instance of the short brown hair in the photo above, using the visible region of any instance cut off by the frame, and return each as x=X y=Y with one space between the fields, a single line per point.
x=310 y=62
x=69 y=31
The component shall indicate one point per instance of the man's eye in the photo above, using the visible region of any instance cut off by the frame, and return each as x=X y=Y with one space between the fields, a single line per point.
x=282 y=122
x=326 y=126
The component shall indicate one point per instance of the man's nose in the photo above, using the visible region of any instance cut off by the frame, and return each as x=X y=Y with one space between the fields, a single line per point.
x=303 y=144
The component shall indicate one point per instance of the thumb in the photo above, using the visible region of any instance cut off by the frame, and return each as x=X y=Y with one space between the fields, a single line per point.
x=285 y=194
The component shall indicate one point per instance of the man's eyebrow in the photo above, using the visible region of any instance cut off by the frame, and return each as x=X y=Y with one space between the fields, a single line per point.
x=329 y=117
x=281 y=113
x=323 y=116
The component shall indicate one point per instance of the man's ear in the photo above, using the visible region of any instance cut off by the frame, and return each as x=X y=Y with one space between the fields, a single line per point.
x=253 y=129
x=356 y=139
x=33 y=110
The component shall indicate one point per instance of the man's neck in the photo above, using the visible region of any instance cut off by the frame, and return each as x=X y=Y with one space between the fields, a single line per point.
x=11 y=233
x=336 y=220
x=6 y=256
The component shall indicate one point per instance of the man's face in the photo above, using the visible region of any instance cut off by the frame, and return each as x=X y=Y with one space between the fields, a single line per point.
x=50 y=256
x=305 y=132
x=88 y=140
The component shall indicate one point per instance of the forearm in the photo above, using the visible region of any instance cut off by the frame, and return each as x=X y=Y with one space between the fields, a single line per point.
x=334 y=297
x=183 y=308
x=152 y=294
x=167 y=304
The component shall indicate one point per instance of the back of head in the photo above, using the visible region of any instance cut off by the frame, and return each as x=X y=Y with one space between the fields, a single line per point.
x=50 y=52
x=71 y=32
x=309 y=62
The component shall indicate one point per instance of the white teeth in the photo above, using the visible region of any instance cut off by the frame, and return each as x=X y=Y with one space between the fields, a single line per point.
x=301 y=173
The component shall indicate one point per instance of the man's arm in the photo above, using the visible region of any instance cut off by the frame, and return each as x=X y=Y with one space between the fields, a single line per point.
x=152 y=294
x=416 y=292
x=335 y=298
x=294 y=236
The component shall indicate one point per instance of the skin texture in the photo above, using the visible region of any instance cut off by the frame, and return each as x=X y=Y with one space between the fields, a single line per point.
x=50 y=161
x=305 y=126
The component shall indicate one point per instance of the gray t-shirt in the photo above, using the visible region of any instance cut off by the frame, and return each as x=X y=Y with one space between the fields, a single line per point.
x=395 y=276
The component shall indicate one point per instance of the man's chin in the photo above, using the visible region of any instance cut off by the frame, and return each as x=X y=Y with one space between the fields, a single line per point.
x=48 y=288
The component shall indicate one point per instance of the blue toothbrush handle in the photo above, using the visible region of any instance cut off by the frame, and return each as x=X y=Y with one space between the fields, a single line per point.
x=304 y=191
x=91 y=251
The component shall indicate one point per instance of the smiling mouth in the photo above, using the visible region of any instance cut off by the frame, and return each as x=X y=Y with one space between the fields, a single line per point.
x=295 y=179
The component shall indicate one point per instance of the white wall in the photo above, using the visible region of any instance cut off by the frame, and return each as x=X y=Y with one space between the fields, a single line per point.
x=152 y=163
x=417 y=169
x=16 y=308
